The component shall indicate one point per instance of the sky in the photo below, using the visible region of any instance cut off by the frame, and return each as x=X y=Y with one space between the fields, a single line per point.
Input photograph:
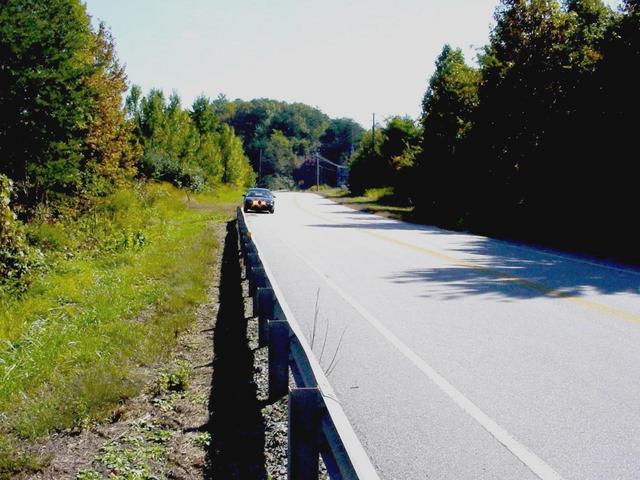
x=349 y=58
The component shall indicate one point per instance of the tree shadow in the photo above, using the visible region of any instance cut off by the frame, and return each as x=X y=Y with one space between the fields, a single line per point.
x=236 y=424
x=511 y=271
x=368 y=220
x=475 y=265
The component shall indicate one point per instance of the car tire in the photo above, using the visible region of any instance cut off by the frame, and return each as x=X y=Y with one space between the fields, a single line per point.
x=246 y=210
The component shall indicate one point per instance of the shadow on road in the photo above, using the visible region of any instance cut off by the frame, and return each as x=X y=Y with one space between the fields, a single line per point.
x=236 y=424
x=542 y=270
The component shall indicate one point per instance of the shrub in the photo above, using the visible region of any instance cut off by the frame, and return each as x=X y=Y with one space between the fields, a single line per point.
x=17 y=259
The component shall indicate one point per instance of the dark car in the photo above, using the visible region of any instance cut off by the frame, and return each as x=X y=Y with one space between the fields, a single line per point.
x=259 y=199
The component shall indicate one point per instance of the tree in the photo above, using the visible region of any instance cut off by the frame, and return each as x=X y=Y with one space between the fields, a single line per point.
x=340 y=139
x=522 y=94
x=367 y=167
x=609 y=140
x=204 y=115
x=209 y=157
x=237 y=170
x=448 y=107
x=112 y=153
x=45 y=101
x=188 y=148
x=279 y=158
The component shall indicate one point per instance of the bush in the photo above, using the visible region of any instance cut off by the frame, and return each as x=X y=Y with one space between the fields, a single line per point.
x=17 y=259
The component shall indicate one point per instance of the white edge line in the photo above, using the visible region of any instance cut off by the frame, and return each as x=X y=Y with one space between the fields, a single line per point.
x=523 y=453
x=357 y=454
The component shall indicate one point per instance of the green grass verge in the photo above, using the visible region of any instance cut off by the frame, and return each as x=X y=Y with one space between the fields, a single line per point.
x=121 y=284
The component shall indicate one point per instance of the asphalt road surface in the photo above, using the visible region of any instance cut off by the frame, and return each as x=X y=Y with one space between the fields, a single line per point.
x=460 y=357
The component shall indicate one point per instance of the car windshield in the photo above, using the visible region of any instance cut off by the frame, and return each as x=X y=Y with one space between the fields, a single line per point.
x=258 y=193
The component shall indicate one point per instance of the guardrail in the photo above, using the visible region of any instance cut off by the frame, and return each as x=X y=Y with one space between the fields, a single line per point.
x=317 y=423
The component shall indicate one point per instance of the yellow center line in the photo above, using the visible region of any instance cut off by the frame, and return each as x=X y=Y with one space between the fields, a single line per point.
x=537 y=287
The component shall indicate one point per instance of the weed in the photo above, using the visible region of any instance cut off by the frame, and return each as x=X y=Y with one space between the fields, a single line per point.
x=174 y=380
x=72 y=344
x=159 y=436
x=202 y=440
x=198 y=398
x=316 y=315
x=89 y=475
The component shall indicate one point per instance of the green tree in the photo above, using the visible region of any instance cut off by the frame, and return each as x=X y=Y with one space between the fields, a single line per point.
x=448 y=107
x=188 y=148
x=279 y=158
x=523 y=92
x=237 y=170
x=45 y=102
x=204 y=115
x=209 y=157
x=341 y=138
x=400 y=137
x=367 y=167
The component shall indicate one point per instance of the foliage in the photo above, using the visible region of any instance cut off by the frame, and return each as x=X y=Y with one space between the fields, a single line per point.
x=340 y=139
x=17 y=258
x=385 y=161
x=175 y=379
x=279 y=157
x=187 y=148
x=536 y=142
x=278 y=182
x=72 y=343
x=275 y=132
x=367 y=167
x=62 y=134
x=46 y=59
x=112 y=152
x=447 y=111
x=237 y=170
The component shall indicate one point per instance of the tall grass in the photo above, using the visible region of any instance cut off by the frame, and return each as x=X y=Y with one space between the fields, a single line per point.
x=121 y=284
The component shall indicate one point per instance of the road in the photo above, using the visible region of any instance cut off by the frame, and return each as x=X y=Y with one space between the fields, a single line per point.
x=460 y=357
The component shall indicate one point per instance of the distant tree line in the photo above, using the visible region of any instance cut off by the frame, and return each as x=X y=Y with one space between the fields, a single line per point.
x=189 y=148
x=276 y=135
x=538 y=141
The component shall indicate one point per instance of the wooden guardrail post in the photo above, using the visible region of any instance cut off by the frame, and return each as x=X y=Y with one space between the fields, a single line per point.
x=263 y=302
x=278 y=359
x=258 y=278
x=250 y=247
x=305 y=410
x=266 y=301
x=250 y=260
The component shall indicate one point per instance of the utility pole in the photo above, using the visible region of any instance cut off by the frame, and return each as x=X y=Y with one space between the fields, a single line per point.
x=260 y=168
x=373 y=134
x=317 y=172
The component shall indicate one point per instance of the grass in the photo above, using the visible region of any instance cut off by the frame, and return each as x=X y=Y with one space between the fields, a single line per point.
x=380 y=201
x=120 y=285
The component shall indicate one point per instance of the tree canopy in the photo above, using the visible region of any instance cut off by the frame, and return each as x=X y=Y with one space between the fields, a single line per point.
x=277 y=134
x=534 y=143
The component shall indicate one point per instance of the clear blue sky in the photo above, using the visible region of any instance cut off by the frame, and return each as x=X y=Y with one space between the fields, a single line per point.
x=348 y=57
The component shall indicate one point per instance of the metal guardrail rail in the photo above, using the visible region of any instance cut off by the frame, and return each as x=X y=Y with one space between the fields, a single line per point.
x=317 y=422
